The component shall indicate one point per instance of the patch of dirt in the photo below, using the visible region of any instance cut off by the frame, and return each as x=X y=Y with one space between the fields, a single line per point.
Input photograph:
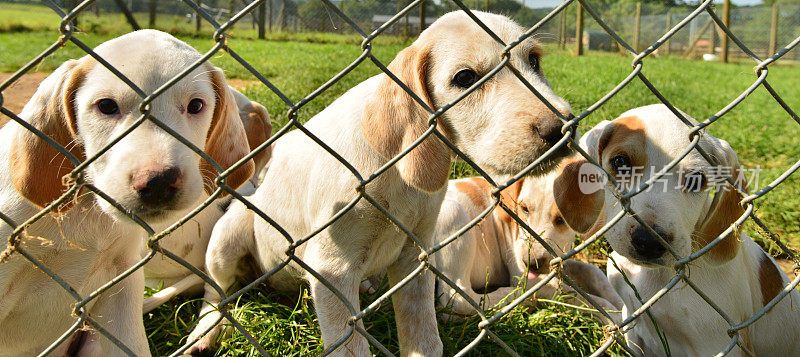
x=786 y=265
x=240 y=84
x=15 y=97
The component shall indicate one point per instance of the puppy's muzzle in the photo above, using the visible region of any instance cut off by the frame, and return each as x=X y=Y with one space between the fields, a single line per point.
x=549 y=130
x=647 y=246
x=541 y=265
x=157 y=188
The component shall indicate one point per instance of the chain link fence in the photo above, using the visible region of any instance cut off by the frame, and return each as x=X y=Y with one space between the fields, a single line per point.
x=338 y=12
x=760 y=27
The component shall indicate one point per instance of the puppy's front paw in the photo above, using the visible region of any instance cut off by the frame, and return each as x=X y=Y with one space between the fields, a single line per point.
x=200 y=349
x=205 y=345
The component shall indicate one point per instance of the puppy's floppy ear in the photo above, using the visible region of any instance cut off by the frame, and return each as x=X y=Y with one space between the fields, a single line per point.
x=596 y=139
x=392 y=120
x=36 y=167
x=510 y=197
x=226 y=142
x=580 y=206
x=725 y=208
x=255 y=119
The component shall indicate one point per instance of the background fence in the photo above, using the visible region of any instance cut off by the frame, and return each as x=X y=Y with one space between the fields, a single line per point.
x=339 y=16
x=760 y=27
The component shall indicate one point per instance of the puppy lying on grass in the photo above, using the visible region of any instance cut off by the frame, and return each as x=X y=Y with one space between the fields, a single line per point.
x=499 y=254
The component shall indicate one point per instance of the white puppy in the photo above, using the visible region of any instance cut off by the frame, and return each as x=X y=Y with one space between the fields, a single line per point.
x=500 y=254
x=737 y=275
x=191 y=239
x=502 y=126
x=88 y=242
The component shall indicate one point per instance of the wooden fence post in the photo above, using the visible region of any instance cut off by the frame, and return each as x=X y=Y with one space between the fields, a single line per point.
x=422 y=16
x=669 y=26
x=637 y=24
x=562 y=29
x=773 y=31
x=283 y=15
x=153 y=7
x=231 y=11
x=197 y=17
x=71 y=5
x=726 y=20
x=579 y=32
x=261 y=18
x=128 y=15
x=697 y=37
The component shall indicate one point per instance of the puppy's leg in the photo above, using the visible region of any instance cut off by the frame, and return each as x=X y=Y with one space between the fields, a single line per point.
x=119 y=311
x=592 y=280
x=414 y=306
x=333 y=315
x=231 y=239
x=173 y=290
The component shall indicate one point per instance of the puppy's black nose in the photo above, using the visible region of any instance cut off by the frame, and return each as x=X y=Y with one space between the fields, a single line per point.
x=648 y=246
x=549 y=130
x=157 y=187
x=541 y=264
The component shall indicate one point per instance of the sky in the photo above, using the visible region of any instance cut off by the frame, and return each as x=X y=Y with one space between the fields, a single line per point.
x=553 y=3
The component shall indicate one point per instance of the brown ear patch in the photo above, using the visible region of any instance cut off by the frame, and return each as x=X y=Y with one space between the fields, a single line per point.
x=226 y=142
x=554 y=214
x=509 y=197
x=37 y=167
x=393 y=120
x=580 y=210
x=258 y=128
x=627 y=135
x=770 y=279
x=724 y=213
x=473 y=191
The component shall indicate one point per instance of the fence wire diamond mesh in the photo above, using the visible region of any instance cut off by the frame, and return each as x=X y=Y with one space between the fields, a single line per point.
x=76 y=181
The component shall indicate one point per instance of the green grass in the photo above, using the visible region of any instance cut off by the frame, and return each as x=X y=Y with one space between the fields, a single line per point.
x=285 y=325
x=762 y=134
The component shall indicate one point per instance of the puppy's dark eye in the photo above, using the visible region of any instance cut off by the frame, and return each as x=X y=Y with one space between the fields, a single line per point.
x=621 y=164
x=195 y=106
x=107 y=106
x=465 y=78
x=558 y=221
x=695 y=181
x=533 y=59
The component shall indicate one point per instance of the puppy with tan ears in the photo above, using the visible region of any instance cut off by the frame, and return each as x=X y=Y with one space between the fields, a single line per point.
x=190 y=240
x=88 y=242
x=737 y=275
x=500 y=254
x=502 y=126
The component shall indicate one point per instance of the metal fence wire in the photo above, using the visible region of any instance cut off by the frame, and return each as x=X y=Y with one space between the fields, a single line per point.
x=76 y=178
